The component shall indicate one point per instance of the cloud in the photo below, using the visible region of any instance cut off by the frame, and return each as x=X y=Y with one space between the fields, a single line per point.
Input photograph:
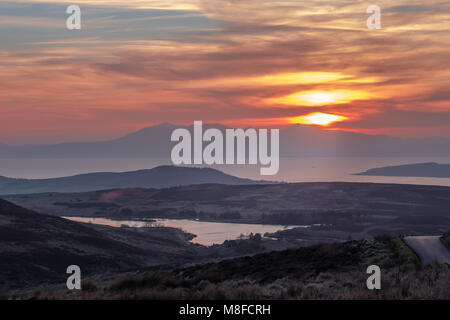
x=228 y=61
x=135 y=4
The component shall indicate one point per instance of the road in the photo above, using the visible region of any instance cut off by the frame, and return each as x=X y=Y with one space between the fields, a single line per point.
x=429 y=249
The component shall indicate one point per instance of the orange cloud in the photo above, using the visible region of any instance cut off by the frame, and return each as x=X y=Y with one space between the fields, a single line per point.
x=243 y=62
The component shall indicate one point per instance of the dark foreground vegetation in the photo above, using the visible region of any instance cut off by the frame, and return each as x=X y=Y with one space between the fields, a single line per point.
x=36 y=248
x=323 y=271
x=325 y=261
x=446 y=239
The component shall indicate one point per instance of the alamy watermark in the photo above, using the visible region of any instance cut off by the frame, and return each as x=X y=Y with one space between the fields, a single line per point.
x=74 y=280
x=374 y=20
x=73 y=22
x=374 y=280
x=229 y=149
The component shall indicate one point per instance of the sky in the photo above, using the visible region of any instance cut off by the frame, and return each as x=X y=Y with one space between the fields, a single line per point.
x=242 y=63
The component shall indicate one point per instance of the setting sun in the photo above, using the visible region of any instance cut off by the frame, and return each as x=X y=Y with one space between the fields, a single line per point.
x=317 y=118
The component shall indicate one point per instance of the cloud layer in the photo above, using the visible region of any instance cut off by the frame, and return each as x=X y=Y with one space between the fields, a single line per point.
x=242 y=62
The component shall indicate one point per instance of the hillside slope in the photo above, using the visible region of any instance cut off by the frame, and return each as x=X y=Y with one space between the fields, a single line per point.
x=159 y=177
x=38 y=248
x=429 y=169
x=358 y=210
x=322 y=271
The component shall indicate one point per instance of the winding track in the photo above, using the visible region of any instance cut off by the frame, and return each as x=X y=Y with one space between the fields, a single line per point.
x=429 y=249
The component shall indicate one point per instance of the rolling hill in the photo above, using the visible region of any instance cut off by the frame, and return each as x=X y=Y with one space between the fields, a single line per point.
x=38 y=248
x=336 y=209
x=429 y=169
x=159 y=177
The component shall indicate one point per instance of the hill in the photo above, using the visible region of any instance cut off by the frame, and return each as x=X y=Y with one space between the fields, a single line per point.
x=446 y=239
x=429 y=169
x=337 y=209
x=38 y=248
x=322 y=271
x=159 y=177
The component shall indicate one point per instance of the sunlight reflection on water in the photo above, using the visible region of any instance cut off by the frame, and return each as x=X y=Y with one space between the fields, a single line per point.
x=207 y=233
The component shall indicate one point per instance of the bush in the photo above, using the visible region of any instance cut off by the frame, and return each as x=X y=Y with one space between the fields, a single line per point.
x=384 y=238
x=89 y=286
x=133 y=283
x=403 y=252
x=446 y=239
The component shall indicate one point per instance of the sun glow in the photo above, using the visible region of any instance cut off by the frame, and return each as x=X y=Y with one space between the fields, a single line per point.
x=278 y=79
x=301 y=78
x=319 y=98
x=317 y=118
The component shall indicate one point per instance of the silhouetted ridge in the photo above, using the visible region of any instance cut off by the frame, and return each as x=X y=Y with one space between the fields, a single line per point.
x=428 y=169
x=159 y=177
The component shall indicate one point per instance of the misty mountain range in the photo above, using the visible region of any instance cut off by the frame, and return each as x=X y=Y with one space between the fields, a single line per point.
x=159 y=177
x=295 y=141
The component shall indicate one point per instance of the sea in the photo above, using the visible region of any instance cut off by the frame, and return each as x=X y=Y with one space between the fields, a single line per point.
x=306 y=169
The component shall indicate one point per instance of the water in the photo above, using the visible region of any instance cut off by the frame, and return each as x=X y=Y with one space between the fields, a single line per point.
x=306 y=169
x=207 y=233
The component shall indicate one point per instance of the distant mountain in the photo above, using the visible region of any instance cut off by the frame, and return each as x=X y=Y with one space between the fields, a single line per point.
x=159 y=177
x=38 y=248
x=429 y=169
x=295 y=141
x=149 y=142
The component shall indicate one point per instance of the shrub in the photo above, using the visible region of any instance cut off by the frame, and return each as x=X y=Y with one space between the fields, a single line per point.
x=403 y=252
x=133 y=283
x=446 y=239
x=384 y=238
x=89 y=286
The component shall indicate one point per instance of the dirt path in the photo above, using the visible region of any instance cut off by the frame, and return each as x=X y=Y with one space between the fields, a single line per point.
x=429 y=249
